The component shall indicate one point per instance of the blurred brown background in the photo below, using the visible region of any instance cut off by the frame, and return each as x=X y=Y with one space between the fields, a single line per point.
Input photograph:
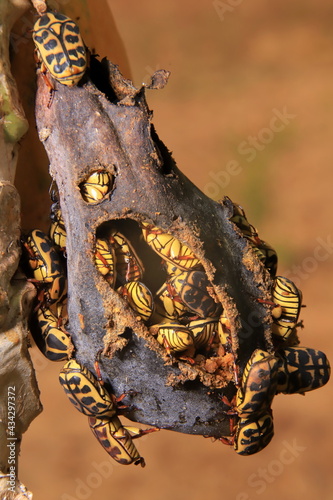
x=248 y=112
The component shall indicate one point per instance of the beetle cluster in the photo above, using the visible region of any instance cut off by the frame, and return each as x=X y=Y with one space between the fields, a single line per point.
x=184 y=317
x=46 y=264
x=288 y=369
x=48 y=273
x=89 y=396
x=182 y=312
x=188 y=322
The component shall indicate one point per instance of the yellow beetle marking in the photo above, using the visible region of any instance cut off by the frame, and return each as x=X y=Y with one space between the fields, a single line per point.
x=169 y=305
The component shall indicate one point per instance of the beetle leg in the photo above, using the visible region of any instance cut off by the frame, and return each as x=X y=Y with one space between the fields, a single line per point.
x=61 y=313
x=188 y=355
x=48 y=83
x=121 y=397
x=136 y=432
x=276 y=309
x=101 y=381
x=230 y=404
x=102 y=259
x=268 y=302
x=233 y=417
x=236 y=374
x=230 y=440
x=127 y=393
x=44 y=281
x=189 y=359
x=31 y=254
x=41 y=299
x=167 y=347
x=97 y=368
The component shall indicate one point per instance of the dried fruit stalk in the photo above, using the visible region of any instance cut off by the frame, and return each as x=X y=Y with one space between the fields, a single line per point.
x=86 y=130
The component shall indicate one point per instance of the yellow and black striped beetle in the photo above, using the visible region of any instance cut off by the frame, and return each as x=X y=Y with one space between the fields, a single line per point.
x=53 y=342
x=301 y=369
x=173 y=336
x=105 y=260
x=169 y=247
x=239 y=219
x=46 y=265
x=254 y=428
x=288 y=300
x=88 y=396
x=259 y=384
x=116 y=440
x=253 y=434
x=85 y=392
x=96 y=186
x=262 y=249
x=267 y=255
x=192 y=288
x=60 y=48
x=169 y=306
x=139 y=297
x=203 y=331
